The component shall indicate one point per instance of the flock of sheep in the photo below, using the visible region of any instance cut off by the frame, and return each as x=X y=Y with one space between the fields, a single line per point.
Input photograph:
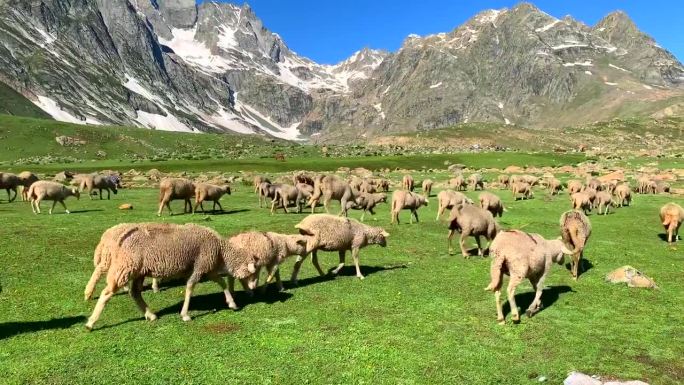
x=128 y=253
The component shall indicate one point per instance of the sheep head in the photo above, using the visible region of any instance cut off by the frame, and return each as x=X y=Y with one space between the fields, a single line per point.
x=377 y=236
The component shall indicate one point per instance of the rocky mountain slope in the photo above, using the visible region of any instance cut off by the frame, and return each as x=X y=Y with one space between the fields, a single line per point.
x=175 y=65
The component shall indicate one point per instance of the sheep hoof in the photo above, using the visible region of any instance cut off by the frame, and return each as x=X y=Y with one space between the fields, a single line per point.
x=89 y=327
x=68 y=212
x=150 y=316
x=232 y=306
x=186 y=318
x=360 y=277
x=501 y=321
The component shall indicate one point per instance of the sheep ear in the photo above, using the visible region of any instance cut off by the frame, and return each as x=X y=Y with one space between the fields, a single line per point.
x=302 y=241
x=385 y=234
x=251 y=268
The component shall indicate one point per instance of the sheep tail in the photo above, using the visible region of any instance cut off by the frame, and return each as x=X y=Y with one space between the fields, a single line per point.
x=496 y=274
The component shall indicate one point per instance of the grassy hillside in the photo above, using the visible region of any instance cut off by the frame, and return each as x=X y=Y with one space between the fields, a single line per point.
x=13 y=103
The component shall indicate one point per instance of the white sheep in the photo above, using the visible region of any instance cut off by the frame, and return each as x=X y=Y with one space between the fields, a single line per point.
x=51 y=191
x=447 y=199
x=407 y=200
x=209 y=192
x=175 y=188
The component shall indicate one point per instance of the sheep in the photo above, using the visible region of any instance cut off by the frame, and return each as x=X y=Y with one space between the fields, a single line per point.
x=210 y=192
x=593 y=183
x=26 y=179
x=575 y=232
x=367 y=202
x=504 y=180
x=384 y=185
x=492 y=203
x=458 y=183
x=581 y=201
x=662 y=187
x=610 y=186
x=407 y=200
x=334 y=233
x=367 y=187
x=427 y=187
x=624 y=195
x=604 y=199
x=530 y=179
x=284 y=194
x=522 y=255
x=267 y=191
x=555 y=186
x=328 y=188
x=355 y=182
x=642 y=184
x=175 y=188
x=475 y=180
x=672 y=217
x=407 y=183
x=574 y=186
x=52 y=191
x=258 y=180
x=9 y=182
x=522 y=188
x=652 y=187
x=100 y=182
x=471 y=221
x=302 y=178
x=169 y=250
x=447 y=199
x=591 y=193
x=517 y=178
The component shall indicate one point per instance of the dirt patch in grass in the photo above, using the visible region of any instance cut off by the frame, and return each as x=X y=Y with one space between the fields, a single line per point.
x=222 y=328
x=673 y=369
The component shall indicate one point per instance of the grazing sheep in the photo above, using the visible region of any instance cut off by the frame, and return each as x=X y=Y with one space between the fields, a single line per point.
x=574 y=186
x=175 y=188
x=407 y=183
x=334 y=233
x=51 y=191
x=329 y=188
x=522 y=188
x=504 y=181
x=355 y=182
x=581 y=201
x=555 y=186
x=9 y=182
x=384 y=185
x=458 y=183
x=26 y=179
x=447 y=199
x=530 y=179
x=427 y=187
x=367 y=187
x=624 y=195
x=492 y=203
x=471 y=221
x=367 y=202
x=522 y=255
x=267 y=192
x=642 y=185
x=258 y=180
x=302 y=178
x=603 y=201
x=210 y=192
x=610 y=186
x=172 y=251
x=672 y=217
x=575 y=232
x=517 y=178
x=475 y=181
x=285 y=194
x=100 y=182
x=591 y=193
x=662 y=187
x=593 y=183
x=407 y=200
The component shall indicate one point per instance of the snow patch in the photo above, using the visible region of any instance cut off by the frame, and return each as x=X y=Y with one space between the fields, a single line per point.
x=386 y=90
x=227 y=38
x=611 y=84
x=569 y=45
x=160 y=122
x=501 y=106
x=255 y=117
x=508 y=122
x=548 y=26
x=52 y=108
x=134 y=85
x=378 y=107
x=646 y=86
x=619 y=68
x=543 y=53
x=194 y=52
x=588 y=73
x=436 y=85
x=586 y=63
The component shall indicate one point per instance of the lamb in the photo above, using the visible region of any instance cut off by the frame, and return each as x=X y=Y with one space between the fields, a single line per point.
x=447 y=199
x=258 y=180
x=367 y=187
x=575 y=232
x=267 y=191
x=555 y=186
x=367 y=202
x=407 y=183
x=9 y=182
x=492 y=203
x=100 y=182
x=522 y=188
x=458 y=183
x=26 y=179
x=624 y=195
x=328 y=188
x=210 y=192
x=672 y=217
x=52 y=191
x=475 y=181
x=407 y=200
x=603 y=200
x=581 y=201
x=170 y=250
x=175 y=188
x=427 y=187
x=574 y=186
x=522 y=255
x=284 y=194
x=530 y=179
x=471 y=221
x=334 y=233
x=504 y=180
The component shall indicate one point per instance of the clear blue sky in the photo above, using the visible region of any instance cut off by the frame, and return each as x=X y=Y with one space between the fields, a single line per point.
x=329 y=31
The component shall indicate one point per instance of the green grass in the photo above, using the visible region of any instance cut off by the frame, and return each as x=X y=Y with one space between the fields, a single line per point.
x=13 y=103
x=420 y=316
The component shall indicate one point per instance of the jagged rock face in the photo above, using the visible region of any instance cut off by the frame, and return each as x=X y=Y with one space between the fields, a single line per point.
x=215 y=67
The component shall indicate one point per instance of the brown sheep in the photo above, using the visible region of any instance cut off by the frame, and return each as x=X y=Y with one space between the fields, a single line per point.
x=367 y=202
x=26 y=179
x=522 y=255
x=575 y=232
x=522 y=188
x=302 y=178
x=331 y=187
x=581 y=201
x=52 y=191
x=591 y=193
x=175 y=188
x=407 y=200
x=427 y=187
x=475 y=181
x=471 y=221
x=574 y=186
x=672 y=217
x=209 y=192
x=9 y=182
x=258 y=180
x=504 y=181
x=624 y=195
x=531 y=180
x=447 y=199
x=458 y=183
x=285 y=194
x=492 y=203
x=367 y=186
x=267 y=192
x=101 y=182
x=555 y=186
x=384 y=185
x=407 y=183
x=593 y=183
x=603 y=202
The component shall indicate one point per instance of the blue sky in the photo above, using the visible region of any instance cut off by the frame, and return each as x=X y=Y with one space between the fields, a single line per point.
x=330 y=31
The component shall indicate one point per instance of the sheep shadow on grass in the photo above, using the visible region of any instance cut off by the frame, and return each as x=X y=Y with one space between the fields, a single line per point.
x=86 y=211
x=214 y=302
x=663 y=237
x=549 y=296
x=219 y=212
x=11 y=329
x=585 y=265
x=347 y=271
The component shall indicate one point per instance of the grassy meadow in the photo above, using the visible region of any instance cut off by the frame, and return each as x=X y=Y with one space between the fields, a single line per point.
x=420 y=316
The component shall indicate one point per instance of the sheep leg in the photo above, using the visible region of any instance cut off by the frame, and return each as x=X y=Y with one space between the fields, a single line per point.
x=576 y=258
x=297 y=267
x=314 y=260
x=512 y=284
x=536 y=305
x=219 y=205
x=65 y=208
x=53 y=207
x=229 y=298
x=499 y=308
x=90 y=287
x=189 y=286
x=155 y=285
x=415 y=214
x=440 y=211
x=480 y=252
x=341 y=264
x=105 y=296
x=355 y=255
x=136 y=294
x=449 y=238
x=464 y=235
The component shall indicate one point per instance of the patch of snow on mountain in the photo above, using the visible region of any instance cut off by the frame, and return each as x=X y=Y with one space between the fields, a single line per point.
x=548 y=26
x=588 y=73
x=134 y=85
x=52 y=108
x=647 y=87
x=586 y=63
x=255 y=117
x=436 y=85
x=227 y=38
x=160 y=122
x=194 y=52
x=378 y=107
x=569 y=45
x=386 y=90
x=500 y=105
x=618 y=68
x=611 y=84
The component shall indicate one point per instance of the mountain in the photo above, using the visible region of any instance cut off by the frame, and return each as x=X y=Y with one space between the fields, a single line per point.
x=176 y=65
